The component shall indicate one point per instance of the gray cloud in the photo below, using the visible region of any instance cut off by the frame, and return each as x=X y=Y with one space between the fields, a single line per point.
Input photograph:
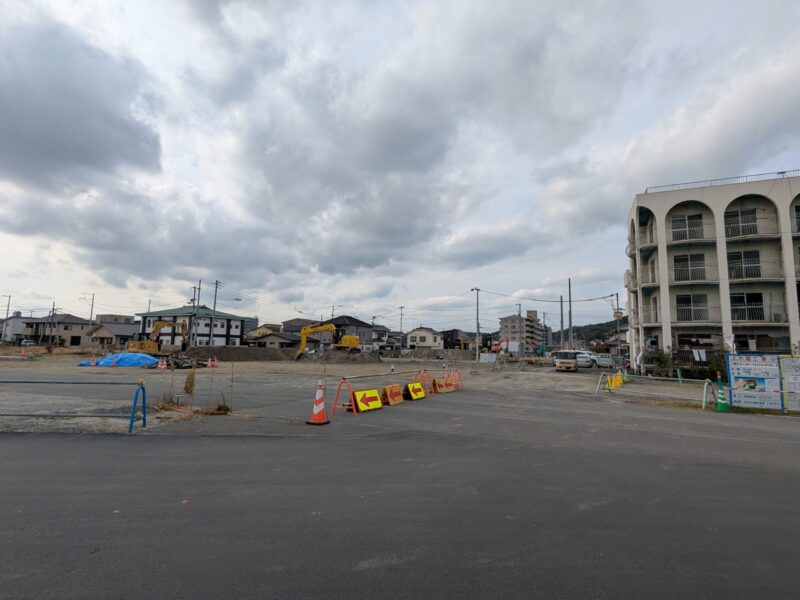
x=68 y=110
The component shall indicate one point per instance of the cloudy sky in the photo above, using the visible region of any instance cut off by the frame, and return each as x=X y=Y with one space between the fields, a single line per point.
x=368 y=155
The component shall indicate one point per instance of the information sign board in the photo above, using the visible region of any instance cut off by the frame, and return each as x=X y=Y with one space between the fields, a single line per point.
x=755 y=380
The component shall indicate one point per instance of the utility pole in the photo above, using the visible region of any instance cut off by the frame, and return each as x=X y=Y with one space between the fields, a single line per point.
x=216 y=287
x=8 y=308
x=561 y=332
x=477 y=325
x=519 y=309
x=199 y=285
x=190 y=341
x=401 y=319
x=619 y=341
x=334 y=307
x=148 y=304
x=91 y=310
x=569 y=290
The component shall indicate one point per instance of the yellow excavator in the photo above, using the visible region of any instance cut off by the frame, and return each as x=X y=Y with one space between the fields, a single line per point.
x=150 y=345
x=348 y=342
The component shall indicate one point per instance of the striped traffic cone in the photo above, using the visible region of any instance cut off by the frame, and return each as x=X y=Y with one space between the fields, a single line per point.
x=318 y=416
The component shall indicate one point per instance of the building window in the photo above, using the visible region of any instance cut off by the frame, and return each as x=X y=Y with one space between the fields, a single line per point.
x=149 y=323
x=689 y=267
x=413 y=338
x=423 y=338
x=687 y=227
x=740 y=222
x=67 y=327
x=747 y=307
x=236 y=326
x=797 y=217
x=691 y=307
x=744 y=264
x=435 y=339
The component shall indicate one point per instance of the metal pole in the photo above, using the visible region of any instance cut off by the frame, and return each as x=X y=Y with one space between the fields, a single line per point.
x=216 y=287
x=401 y=322
x=91 y=311
x=619 y=341
x=569 y=291
x=8 y=308
x=561 y=333
x=477 y=325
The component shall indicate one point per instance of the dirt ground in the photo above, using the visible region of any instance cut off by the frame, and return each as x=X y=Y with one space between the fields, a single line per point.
x=236 y=382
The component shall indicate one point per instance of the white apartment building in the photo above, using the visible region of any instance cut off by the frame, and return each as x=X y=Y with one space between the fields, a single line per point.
x=522 y=334
x=714 y=264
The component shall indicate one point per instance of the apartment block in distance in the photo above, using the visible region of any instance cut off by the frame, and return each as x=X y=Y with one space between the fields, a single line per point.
x=714 y=265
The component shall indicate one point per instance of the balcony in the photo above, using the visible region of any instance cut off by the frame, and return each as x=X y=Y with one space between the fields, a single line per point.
x=755 y=271
x=703 y=232
x=631 y=281
x=759 y=313
x=633 y=317
x=648 y=278
x=647 y=236
x=696 y=314
x=691 y=275
x=650 y=316
x=630 y=249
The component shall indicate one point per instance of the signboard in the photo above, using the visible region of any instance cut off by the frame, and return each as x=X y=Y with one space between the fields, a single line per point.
x=790 y=367
x=488 y=358
x=755 y=380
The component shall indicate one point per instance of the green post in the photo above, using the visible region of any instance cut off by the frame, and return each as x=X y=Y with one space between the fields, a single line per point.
x=722 y=403
x=680 y=377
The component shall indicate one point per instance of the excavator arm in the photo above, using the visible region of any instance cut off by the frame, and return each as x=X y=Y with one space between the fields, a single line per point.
x=311 y=329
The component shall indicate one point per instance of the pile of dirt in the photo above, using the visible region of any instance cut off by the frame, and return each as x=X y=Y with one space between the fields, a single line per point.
x=342 y=356
x=241 y=353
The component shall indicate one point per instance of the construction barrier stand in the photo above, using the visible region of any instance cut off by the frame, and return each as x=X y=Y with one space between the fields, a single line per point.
x=414 y=391
x=392 y=394
x=366 y=400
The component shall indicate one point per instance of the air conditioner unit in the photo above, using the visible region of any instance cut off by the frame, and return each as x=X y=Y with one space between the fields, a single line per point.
x=779 y=317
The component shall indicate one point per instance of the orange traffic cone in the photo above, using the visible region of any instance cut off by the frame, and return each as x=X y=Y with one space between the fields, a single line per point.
x=208 y=363
x=318 y=416
x=216 y=363
x=92 y=361
x=162 y=364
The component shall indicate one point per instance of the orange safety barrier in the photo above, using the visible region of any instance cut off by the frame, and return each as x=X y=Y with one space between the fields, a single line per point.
x=366 y=400
x=392 y=394
x=440 y=386
x=454 y=378
x=357 y=400
x=414 y=391
x=422 y=377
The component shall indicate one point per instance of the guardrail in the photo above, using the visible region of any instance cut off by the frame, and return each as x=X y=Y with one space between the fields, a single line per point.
x=724 y=181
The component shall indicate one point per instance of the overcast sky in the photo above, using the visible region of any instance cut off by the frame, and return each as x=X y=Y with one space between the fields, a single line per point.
x=368 y=155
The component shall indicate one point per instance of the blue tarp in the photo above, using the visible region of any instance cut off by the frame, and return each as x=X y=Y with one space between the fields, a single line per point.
x=124 y=359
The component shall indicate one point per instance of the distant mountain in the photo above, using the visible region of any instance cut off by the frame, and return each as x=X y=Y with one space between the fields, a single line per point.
x=592 y=331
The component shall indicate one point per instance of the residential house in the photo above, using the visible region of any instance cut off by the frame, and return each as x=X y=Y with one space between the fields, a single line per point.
x=110 y=318
x=112 y=335
x=206 y=327
x=456 y=339
x=380 y=338
x=346 y=325
x=13 y=329
x=262 y=330
x=295 y=325
x=61 y=329
x=278 y=339
x=424 y=337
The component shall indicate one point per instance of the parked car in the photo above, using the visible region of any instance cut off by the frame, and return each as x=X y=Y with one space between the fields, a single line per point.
x=585 y=359
x=604 y=361
x=565 y=360
x=27 y=343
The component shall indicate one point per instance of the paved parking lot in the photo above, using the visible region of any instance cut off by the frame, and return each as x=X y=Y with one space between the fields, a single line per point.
x=506 y=489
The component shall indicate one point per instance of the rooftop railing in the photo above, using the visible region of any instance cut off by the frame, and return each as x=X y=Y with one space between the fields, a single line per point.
x=724 y=181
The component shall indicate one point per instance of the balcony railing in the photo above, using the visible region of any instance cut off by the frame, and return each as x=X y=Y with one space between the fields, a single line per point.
x=704 y=231
x=763 y=313
x=633 y=317
x=630 y=249
x=648 y=277
x=759 y=270
x=688 y=274
x=762 y=226
x=647 y=236
x=696 y=314
x=650 y=316
x=725 y=181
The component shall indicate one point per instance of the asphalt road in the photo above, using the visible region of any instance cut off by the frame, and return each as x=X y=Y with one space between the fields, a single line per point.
x=468 y=495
